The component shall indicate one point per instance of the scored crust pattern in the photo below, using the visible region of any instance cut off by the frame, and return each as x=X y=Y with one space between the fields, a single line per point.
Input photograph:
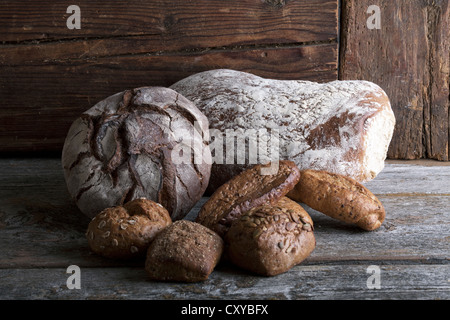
x=121 y=149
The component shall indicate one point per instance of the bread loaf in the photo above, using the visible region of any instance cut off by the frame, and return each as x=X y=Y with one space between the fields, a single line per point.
x=343 y=127
x=272 y=238
x=125 y=147
x=251 y=188
x=339 y=197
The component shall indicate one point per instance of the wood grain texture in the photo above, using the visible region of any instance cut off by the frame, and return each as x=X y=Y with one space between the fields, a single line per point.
x=42 y=233
x=303 y=282
x=409 y=58
x=437 y=125
x=175 y=24
x=50 y=74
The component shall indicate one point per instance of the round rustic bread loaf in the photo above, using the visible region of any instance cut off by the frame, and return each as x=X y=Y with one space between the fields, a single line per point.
x=272 y=238
x=126 y=231
x=251 y=188
x=148 y=142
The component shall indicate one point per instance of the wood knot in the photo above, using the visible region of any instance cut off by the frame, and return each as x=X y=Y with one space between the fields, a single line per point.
x=169 y=22
x=276 y=3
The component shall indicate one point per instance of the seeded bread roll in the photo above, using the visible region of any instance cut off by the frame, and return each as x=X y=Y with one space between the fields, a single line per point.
x=184 y=251
x=343 y=127
x=339 y=197
x=245 y=191
x=128 y=146
x=271 y=239
x=124 y=232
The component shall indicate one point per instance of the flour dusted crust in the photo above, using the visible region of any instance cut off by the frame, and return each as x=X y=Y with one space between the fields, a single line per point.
x=122 y=149
x=343 y=127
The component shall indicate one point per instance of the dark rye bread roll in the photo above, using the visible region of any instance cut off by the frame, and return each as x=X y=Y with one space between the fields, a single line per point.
x=125 y=232
x=249 y=189
x=271 y=239
x=343 y=127
x=339 y=197
x=184 y=251
x=147 y=142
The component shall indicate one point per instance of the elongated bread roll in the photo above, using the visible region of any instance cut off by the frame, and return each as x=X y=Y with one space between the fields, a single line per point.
x=339 y=197
x=343 y=127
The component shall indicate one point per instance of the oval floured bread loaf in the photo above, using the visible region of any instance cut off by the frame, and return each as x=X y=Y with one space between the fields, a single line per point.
x=343 y=127
x=271 y=239
x=245 y=191
x=125 y=232
x=339 y=197
x=128 y=146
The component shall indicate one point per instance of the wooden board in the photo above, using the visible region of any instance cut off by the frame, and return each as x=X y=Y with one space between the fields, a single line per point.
x=175 y=24
x=303 y=282
x=56 y=93
x=42 y=232
x=409 y=57
x=50 y=74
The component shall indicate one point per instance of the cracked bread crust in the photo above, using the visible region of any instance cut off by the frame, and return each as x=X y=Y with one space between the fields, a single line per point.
x=339 y=197
x=245 y=191
x=125 y=232
x=123 y=148
x=271 y=239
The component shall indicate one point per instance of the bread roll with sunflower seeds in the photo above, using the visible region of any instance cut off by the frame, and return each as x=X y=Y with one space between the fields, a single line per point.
x=339 y=197
x=124 y=232
x=249 y=189
x=271 y=239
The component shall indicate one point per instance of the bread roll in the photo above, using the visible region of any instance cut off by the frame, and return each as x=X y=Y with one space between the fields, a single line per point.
x=125 y=232
x=272 y=238
x=128 y=146
x=184 y=251
x=343 y=127
x=339 y=197
x=249 y=189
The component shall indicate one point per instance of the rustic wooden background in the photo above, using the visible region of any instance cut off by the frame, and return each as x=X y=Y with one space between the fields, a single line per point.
x=50 y=74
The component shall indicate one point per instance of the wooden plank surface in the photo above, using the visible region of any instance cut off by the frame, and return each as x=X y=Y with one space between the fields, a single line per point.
x=312 y=282
x=409 y=58
x=50 y=74
x=42 y=233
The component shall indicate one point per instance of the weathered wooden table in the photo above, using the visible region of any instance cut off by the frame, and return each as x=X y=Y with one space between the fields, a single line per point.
x=42 y=234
